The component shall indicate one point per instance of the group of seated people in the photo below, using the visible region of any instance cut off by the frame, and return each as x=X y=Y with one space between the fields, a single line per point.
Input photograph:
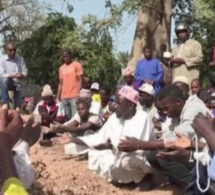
x=135 y=135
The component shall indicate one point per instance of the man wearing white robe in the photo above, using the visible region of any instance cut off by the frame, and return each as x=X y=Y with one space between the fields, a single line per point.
x=112 y=164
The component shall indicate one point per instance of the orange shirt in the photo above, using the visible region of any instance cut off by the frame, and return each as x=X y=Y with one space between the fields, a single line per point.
x=69 y=74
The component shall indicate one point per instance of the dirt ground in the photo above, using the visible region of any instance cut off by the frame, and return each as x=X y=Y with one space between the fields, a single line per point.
x=57 y=176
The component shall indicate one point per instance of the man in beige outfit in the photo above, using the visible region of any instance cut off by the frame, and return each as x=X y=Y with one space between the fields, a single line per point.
x=187 y=55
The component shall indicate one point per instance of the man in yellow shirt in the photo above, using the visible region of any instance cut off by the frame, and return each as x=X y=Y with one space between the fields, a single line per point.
x=95 y=92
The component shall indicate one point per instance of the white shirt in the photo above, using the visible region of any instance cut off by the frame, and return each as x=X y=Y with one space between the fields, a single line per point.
x=115 y=129
x=113 y=164
x=95 y=108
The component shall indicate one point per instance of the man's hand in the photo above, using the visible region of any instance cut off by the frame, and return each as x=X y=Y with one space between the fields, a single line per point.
x=58 y=128
x=178 y=153
x=105 y=146
x=203 y=125
x=129 y=145
x=58 y=99
x=177 y=61
x=11 y=124
x=16 y=76
x=20 y=76
x=32 y=131
x=182 y=141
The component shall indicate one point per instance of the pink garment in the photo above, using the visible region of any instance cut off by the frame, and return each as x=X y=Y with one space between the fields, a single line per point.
x=129 y=93
x=29 y=99
x=85 y=93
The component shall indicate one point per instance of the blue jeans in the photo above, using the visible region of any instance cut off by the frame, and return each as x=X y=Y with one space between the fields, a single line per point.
x=9 y=85
x=69 y=107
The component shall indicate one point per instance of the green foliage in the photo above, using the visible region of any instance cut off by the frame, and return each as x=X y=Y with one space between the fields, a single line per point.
x=42 y=50
x=19 y=18
x=92 y=47
x=122 y=58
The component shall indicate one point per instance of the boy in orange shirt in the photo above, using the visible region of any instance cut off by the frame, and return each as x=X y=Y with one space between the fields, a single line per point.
x=70 y=81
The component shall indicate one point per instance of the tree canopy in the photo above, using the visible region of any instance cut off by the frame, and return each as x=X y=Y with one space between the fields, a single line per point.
x=92 y=47
x=92 y=44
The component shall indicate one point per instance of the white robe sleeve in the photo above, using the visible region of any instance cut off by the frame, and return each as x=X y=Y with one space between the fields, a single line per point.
x=101 y=136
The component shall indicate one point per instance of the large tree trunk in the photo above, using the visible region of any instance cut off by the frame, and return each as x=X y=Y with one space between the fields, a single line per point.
x=153 y=29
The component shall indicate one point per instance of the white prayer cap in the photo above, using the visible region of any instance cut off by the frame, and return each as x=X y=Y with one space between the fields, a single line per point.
x=147 y=88
x=181 y=79
x=95 y=86
x=47 y=91
x=167 y=54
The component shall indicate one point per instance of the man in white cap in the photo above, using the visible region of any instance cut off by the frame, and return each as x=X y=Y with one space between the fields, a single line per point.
x=95 y=92
x=49 y=109
x=109 y=162
x=184 y=84
x=146 y=92
x=187 y=54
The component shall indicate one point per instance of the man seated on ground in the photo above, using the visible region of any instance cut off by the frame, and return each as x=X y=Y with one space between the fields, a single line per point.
x=171 y=102
x=105 y=94
x=183 y=83
x=50 y=112
x=82 y=122
x=146 y=92
x=104 y=156
x=161 y=121
x=95 y=107
x=196 y=87
x=18 y=165
x=95 y=92
x=210 y=90
x=128 y=77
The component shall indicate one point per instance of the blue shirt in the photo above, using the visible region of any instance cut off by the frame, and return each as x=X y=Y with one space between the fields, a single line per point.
x=149 y=70
x=211 y=171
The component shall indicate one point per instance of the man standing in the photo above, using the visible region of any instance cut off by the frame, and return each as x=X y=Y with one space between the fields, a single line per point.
x=70 y=76
x=187 y=55
x=12 y=72
x=149 y=70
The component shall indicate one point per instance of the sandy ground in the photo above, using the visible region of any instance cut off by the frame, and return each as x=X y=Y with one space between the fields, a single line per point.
x=57 y=176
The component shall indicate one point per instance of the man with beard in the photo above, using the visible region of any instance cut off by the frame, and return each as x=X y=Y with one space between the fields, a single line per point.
x=171 y=102
x=146 y=92
x=104 y=156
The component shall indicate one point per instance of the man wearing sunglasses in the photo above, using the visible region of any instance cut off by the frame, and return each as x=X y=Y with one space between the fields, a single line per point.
x=12 y=73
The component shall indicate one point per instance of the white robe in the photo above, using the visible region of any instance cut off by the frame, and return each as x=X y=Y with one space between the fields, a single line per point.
x=115 y=165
